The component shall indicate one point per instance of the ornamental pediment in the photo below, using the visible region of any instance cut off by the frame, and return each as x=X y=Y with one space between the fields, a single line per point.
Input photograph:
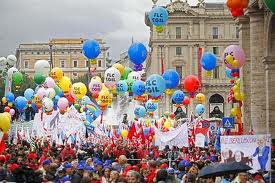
x=182 y=7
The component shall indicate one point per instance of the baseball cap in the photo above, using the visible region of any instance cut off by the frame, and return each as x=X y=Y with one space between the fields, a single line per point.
x=46 y=162
x=170 y=170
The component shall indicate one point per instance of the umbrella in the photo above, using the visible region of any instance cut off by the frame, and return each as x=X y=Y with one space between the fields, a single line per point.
x=223 y=169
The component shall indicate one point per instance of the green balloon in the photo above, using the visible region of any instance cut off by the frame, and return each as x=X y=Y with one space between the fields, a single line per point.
x=17 y=78
x=127 y=71
x=77 y=106
x=129 y=83
x=270 y=4
x=39 y=78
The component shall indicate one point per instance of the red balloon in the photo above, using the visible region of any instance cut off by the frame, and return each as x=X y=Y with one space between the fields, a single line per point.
x=191 y=83
x=172 y=115
x=186 y=101
x=70 y=98
x=237 y=12
x=7 y=109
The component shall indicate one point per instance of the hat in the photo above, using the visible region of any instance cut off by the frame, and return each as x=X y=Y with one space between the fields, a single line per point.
x=170 y=170
x=2 y=158
x=80 y=166
x=188 y=164
x=46 y=162
x=97 y=163
x=89 y=168
x=32 y=156
x=67 y=165
x=13 y=167
x=163 y=166
x=182 y=162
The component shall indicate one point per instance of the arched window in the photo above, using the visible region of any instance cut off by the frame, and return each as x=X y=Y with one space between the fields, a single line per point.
x=216 y=106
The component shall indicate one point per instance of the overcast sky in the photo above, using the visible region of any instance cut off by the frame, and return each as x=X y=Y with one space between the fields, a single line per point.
x=116 y=21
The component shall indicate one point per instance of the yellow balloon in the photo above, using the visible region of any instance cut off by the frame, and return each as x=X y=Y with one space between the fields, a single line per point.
x=4 y=100
x=159 y=29
x=238 y=82
x=242 y=97
x=119 y=67
x=229 y=59
x=236 y=89
x=235 y=64
x=200 y=98
x=93 y=61
x=124 y=133
x=5 y=123
x=167 y=124
x=65 y=85
x=79 y=90
x=8 y=115
x=97 y=78
x=10 y=104
x=104 y=97
x=237 y=96
x=56 y=74
x=234 y=112
x=169 y=91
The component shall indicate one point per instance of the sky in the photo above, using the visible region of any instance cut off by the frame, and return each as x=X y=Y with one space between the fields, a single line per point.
x=116 y=21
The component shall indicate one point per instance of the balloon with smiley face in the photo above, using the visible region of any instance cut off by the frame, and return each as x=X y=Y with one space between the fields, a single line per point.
x=200 y=109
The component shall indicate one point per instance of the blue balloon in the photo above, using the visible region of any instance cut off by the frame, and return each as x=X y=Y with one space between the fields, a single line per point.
x=91 y=49
x=172 y=78
x=121 y=87
x=145 y=131
x=178 y=96
x=20 y=103
x=155 y=85
x=9 y=97
x=137 y=53
x=228 y=73
x=140 y=111
x=34 y=107
x=151 y=106
x=200 y=109
x=158 y=16
x=138 y=88
x=208 y=61
x=28 y=94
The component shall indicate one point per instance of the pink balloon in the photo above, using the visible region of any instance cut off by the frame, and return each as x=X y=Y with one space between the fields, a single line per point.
x=237 y=53
x=95 y=86
x=49 y=83
x=62 y=103
x=12 y=112
x=41 y=93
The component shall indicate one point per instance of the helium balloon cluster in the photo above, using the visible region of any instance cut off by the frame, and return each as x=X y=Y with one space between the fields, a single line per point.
x=237 y=7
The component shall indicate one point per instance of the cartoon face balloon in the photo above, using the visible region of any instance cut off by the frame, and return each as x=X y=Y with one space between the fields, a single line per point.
x=233 y=57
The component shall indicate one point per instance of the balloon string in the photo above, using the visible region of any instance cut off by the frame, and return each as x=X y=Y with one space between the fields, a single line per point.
x=101 y=118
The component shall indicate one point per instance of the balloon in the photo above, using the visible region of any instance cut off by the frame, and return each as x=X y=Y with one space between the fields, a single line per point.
x=134 y=76
x=155 y=85
x=9 y=97
x=12 y=112
x=121 y=87
x=79 y=90
x=228 y=73
x=140 y=111
x=4 y=122
x=158 y=16
x=124 y=133
x=11 y=59
x=200 y=98
x=50 y=93
x=234 y=111
x=151 y=106
x=4 y=100
x=7 y=109
x=47 y=105
x=167 y=125
x=95 y=86
x=111 y=77
x=11 y=71
x=91 y=49
x=39 y=78
x=159 y=29
x=20 y=103
x=137 y=53
x=270 y=4
x=208 y=61
x=104 y=98
x=62 y=103
x=200 y=109
x=130 y=84
x=119 y=67
x=8 y=115
x=65 y=85
x=237 y=53
x=41 y=93
x=42 y=66
x=191 y=83
x=178 y=96
x=127 y=71
x=171 y=78
x=49 y=83
x=186 y=101
x=28 y=94
x=56 y=74
x=138 y=88
x=237 y=12
x=17 y=78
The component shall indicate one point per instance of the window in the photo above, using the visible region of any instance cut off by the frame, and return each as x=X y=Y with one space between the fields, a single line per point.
x=178 y=51
x=216 y=73
x=38 y=53
x=237 y=32
x=87 y=63
x=75 y=63
x=75 y=74
x=26 y=64
x=62 y=63
x=215 y=32
x=178 y=32
x=179 y=70
x=216 y=50
x=99 y=63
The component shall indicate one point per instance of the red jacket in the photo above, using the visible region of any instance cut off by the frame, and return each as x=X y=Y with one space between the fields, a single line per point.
x=152 y=175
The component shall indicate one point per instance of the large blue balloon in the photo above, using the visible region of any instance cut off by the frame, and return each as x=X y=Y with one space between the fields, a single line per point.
x=155 y=85
x=28 y=94
x=137 y=53
x=228 y=73
x=138 y=88
x=140 y=111
x=178 y=96
x=158 y=16
x=20 y=103
x=9 y=97
x=208 y=61
x=91 y=49
x=172 y=78
x=121 y=87
x=200 y=109
x=151 y=106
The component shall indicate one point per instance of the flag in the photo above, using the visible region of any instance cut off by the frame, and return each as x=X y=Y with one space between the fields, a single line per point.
x=142 y=135
x=2 y=146
x=132 y=131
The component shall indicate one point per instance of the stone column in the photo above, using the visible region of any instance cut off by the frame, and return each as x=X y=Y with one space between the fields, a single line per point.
x=202 y=31
x=190 y=35
x=258 y=88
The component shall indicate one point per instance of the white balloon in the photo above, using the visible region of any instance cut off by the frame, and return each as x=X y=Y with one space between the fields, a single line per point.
x=111 y=77
x=3 y=61
x=47 y=105
x=50 y=93
x=11 y=60
x=11 y=71
x=134 y=76
x=42 y=66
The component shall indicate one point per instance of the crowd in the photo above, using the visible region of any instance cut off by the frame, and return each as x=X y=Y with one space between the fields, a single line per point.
x=110 y=163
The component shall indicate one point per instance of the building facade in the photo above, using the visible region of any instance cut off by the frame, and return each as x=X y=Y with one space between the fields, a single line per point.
x=257 y=37
x=208 y=26
x=64 y=53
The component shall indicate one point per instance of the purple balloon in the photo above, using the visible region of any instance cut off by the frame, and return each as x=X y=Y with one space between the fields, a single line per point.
x=237 y=53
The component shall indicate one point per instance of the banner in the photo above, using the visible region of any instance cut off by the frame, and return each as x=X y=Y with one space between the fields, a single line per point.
x=177 y=137
x=253 y=150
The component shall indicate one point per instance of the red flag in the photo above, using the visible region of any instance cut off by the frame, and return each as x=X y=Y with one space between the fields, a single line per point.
x=132 y=131
x=2 y=146
x=142 y=135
